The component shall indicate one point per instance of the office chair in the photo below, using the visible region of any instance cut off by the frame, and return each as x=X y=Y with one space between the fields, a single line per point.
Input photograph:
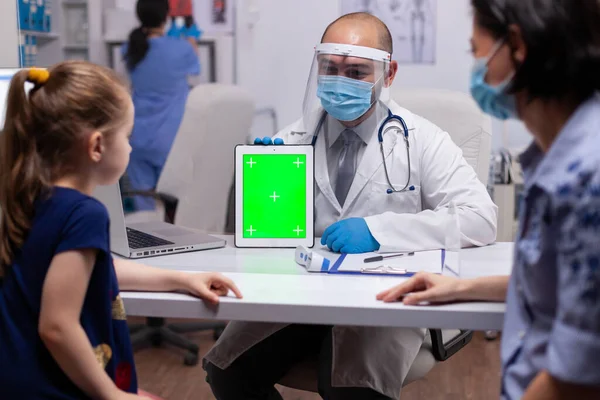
x=454 y=118
x=194 y=188
x=435 y=349
x=470 y=129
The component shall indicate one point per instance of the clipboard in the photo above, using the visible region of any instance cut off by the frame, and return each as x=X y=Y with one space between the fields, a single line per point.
x=353 y=264
x=324 y=261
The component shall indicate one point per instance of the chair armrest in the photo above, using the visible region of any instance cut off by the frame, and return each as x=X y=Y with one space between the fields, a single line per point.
x=169 y=201
x=443 y=351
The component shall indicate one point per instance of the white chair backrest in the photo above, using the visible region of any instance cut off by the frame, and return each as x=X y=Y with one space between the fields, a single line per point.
x=200 y=168
x=457 y=114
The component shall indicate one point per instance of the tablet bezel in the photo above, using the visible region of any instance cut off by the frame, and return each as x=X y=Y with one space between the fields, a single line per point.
x=306 y=150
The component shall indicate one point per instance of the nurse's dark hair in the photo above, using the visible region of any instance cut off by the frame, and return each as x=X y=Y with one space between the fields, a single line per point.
x=45 y=137
x=562 y=39
x=152 y=14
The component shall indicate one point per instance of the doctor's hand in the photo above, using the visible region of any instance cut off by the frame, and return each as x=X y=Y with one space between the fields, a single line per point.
x=266 y=141
x=350 y=236
x=425 y=287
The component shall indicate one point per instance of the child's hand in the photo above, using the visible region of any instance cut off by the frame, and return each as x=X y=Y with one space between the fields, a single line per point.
x=209 y=286
x=130 y=396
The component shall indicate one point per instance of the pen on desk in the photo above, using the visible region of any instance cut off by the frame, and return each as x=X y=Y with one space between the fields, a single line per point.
x=381 y=258
x=385 y=270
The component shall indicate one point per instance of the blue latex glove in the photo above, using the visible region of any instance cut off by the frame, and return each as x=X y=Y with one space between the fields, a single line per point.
x=351 y=236
x=192 y=32
x=267 y=141
x=175 y=31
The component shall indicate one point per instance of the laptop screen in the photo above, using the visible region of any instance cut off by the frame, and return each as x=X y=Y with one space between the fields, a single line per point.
x=6 y=75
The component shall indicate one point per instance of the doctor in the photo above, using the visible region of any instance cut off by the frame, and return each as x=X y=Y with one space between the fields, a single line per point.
x=345 y=105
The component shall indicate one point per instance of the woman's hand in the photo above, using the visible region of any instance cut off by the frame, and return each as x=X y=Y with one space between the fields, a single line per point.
x=130 y=396
x=209 y=286
x=425 y=287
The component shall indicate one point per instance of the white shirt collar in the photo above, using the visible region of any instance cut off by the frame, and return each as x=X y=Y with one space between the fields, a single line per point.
x=364 y=131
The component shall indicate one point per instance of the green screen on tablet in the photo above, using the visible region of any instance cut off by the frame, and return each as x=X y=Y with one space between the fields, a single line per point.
x=274 y=196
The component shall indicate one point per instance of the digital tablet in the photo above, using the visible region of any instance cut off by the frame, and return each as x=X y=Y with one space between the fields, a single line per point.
x=274 y=196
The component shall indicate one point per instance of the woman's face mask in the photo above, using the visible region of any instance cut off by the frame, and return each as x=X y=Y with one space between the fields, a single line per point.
x=493 y=100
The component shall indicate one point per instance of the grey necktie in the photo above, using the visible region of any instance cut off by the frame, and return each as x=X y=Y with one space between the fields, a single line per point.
x=347 y=165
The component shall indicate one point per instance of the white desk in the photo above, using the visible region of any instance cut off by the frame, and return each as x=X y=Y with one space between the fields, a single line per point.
x=276 y=289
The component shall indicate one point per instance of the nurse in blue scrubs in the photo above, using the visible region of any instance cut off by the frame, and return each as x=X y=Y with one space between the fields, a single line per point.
x=159 y=66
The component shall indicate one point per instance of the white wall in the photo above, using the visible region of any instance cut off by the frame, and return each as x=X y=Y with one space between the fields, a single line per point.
x=9 y=42
x=274 y=54
x=453 y=60
x=275 y=46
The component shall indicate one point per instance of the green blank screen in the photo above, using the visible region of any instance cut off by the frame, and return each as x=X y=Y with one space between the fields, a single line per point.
x=274 y=196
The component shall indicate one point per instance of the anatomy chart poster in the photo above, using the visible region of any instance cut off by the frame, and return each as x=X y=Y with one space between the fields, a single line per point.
x=214 y=15
x=411 y=22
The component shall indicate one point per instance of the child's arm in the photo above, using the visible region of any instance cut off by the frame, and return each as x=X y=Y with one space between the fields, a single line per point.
x=63 y=295
x=208 y=286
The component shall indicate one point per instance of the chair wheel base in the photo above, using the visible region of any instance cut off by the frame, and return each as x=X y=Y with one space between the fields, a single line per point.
x=190 y=359
x=217 y=333
x=156 y=334
x=156 y=341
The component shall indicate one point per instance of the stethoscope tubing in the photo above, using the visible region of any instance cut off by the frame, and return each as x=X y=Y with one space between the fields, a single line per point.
x=390 y=117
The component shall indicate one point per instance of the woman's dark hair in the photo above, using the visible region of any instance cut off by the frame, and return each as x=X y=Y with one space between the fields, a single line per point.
x=562 y=39
x=152 y=14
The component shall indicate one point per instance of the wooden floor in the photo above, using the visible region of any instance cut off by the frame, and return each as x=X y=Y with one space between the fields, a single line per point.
x=473 y=373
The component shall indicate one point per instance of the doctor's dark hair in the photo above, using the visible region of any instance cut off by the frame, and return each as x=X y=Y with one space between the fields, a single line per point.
x=562 y=39
x=45 y=137
x=152 y=14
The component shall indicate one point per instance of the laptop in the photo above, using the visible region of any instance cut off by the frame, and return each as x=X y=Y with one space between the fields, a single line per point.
x=6 y=75
x=147 y=239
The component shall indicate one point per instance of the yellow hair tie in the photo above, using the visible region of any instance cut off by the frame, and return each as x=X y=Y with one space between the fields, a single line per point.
x=39 y=76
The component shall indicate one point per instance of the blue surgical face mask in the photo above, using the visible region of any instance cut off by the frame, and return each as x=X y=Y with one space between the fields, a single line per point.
x=345 y=99
x=493 y=100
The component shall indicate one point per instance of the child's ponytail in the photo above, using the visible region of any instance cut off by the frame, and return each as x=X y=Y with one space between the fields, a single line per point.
x=22 y=174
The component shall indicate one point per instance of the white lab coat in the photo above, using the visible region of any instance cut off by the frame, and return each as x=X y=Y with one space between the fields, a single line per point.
x=380 y=358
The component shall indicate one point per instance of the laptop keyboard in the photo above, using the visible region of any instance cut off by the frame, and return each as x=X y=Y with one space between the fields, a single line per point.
x=139 y=240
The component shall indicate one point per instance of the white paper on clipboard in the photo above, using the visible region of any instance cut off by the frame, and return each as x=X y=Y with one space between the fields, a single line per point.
x=427 y=261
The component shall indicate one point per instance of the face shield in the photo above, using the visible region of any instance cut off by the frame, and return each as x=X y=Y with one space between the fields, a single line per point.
x=346 y=82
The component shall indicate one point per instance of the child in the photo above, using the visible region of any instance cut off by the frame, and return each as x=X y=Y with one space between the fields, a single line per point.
x=63 y=329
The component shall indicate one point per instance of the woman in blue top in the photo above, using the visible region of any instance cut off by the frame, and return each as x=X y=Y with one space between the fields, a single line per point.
x=159 y=67
x=63 y=328
x=539 y=61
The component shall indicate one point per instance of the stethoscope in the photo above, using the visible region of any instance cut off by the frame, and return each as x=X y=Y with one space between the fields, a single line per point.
x=390 y=117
